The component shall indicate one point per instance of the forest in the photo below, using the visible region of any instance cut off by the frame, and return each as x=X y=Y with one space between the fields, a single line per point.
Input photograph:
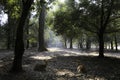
x=59 y=39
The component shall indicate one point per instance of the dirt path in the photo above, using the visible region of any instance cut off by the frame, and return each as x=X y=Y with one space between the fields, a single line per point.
x=60 y=52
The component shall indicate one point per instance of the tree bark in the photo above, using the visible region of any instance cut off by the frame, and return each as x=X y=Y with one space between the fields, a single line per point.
x=81 y=43
x=116 y=44
x=103 y=24
x=19 y=43
x=101 y=44
x=41 y=46
x=111 y=45
x=71 y=43
x=88 y=43
x=65 y=43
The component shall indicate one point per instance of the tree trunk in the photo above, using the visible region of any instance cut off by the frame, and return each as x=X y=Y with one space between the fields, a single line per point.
x=88 y=43
x=111 y=45
x=19 y=43
x=65 y=41
x=41 y=46
x=101 y=44
x=71 y=44
x=103 y=24
x=81 y=45
x=116 y=44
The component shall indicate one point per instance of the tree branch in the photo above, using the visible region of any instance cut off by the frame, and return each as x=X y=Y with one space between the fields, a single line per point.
x=108 y=15
x=23 y=2
x=112 y=31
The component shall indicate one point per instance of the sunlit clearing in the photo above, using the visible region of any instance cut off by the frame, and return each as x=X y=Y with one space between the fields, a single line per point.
x=54 y=49
x=68 y=52
x=41 y=57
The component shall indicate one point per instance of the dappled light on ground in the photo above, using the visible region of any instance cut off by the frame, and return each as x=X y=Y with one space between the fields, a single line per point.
x=41 y=57
x=62 y=64
x=71 y=52
x=64 y=72
x=76 y=52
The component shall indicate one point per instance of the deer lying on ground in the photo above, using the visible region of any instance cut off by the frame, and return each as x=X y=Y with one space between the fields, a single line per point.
x=81 y=69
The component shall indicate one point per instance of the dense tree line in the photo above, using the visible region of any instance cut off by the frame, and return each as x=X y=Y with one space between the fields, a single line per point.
x=99 y=17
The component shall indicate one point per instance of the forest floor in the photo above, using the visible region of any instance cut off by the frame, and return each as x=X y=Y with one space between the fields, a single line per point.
x=62 y=64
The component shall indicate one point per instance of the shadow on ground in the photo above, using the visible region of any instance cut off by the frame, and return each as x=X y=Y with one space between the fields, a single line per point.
x=62 y=67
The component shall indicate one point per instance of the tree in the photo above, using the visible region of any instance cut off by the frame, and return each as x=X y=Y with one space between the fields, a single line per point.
x=65 y=21
x=104 y=20
x=96 y=18
x=42 y=6
x=41 y=46
x=62 y=26
x=12 y=8
x=19 y=43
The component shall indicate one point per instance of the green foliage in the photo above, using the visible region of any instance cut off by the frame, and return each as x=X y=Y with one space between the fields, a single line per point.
x=10 y=2
x=33 y=32
x=96 y=13
x=65 y=20
x=12 y=7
